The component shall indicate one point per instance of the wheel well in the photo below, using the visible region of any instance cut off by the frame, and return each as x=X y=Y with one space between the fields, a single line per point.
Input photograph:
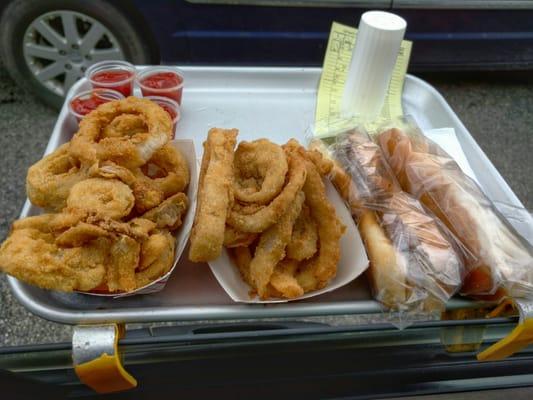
x=128 y=8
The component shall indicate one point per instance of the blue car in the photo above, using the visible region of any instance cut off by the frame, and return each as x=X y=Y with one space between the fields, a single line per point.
x=47 y=45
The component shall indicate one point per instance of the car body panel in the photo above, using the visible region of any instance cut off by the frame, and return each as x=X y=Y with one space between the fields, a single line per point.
x=232 y=33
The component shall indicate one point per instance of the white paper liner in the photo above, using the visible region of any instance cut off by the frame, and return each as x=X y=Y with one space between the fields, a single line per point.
x=186 y=146
x=353 y=261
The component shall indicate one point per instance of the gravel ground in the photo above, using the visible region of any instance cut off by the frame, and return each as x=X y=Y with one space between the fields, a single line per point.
x=499 y=115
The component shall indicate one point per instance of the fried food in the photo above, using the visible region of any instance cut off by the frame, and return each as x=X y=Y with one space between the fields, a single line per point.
x=165 y=174
x=80 y=234
x=106 y=197
x=50 y=223
x=304 y=239
x=125 y=125
x=234 y=238
x=260 y=168
x=137 y=228
x=268 y=215
x=124 y=258
x=157 y=257
x=169 y=213
x=49 y=180
x=323 y=266
x=119 y=188
x=242 y=256
x=283 y=279
x=133 y=151
x=282 y=244
x=215 y=195
x=32 y=256
x=271 y=247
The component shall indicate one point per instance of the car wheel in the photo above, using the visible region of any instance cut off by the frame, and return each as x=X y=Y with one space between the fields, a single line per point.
x=47 y=45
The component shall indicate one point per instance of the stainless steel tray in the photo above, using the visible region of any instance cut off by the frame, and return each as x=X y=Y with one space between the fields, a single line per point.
x=277 y=103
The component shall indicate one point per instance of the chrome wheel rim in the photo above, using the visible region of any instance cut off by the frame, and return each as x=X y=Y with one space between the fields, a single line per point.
x=60 y=45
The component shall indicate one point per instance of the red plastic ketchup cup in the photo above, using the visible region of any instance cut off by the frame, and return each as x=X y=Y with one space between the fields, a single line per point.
x=115 y=75
x=161 y=81
x=83 y=103
x=171 y=107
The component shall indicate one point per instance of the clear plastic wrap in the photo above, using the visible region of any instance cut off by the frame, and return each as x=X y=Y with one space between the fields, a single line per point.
x=414 y=264
x=501 y=261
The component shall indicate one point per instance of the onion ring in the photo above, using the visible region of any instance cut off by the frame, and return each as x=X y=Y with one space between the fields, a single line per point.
x=270 y=214
x=88 y=146
x=164 y=175
x=157 y=257
x=316 y=272
x=49 y=180
x=234 y=238
x=303 y=244
x=264 y=161
x=283 y=280
x=33 y=256
x=271 y=247
x=215 y=195
x=169 y=213
x=125 y=125
x=242 y=256
x=124 y=259
x=80 y=234
x=106 y=197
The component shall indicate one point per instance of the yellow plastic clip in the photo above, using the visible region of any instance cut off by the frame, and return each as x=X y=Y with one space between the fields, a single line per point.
x=519 y=338
x=96 y=358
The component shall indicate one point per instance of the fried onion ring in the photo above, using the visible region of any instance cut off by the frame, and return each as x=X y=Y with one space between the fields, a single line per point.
x=169 y=213
x=283 y=280
x=303 y=244
x=242 y=256
x=263 y=161
x=129 y=151
x=33 y=256
x=234 y=238
x=316 y=272
x=124 y=125
x=165 y=174
x=124 y=259
x=270 y=214
x=215 y=195
x=49 y=180
x=107 y=197
x=157 y=257
x=271 y=247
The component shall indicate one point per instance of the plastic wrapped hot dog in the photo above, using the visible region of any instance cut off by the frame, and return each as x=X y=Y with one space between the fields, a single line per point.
x=413 y=262
x=502 y=262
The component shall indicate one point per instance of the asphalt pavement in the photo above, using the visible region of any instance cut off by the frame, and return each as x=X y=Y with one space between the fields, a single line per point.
x=498 y=113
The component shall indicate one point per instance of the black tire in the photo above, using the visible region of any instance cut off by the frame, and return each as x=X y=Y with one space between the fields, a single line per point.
x=19 y=14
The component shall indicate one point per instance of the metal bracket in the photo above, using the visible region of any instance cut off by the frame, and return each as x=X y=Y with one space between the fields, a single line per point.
x=96 y=358
x=519 y=338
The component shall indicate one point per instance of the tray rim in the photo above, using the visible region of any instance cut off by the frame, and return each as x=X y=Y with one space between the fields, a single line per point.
x=237 y=310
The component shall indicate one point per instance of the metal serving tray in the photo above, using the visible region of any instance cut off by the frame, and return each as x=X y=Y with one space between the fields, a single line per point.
x=277 y=103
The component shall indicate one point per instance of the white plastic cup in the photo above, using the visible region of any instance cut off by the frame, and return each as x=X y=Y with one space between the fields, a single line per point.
x=171 y=107
x=123 y=84
x=376 y=49
x=103 y=96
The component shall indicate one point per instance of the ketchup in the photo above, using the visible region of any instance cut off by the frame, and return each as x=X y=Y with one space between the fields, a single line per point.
x=166 y=84
x=173 y=114
x=83 y=106
x=108 y=78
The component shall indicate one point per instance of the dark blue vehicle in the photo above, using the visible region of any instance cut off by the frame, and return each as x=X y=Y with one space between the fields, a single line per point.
x=46 y=45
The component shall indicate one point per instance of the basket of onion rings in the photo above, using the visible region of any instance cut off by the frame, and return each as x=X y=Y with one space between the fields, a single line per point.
x=116 y=203
x=270 y=226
